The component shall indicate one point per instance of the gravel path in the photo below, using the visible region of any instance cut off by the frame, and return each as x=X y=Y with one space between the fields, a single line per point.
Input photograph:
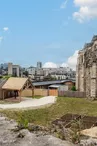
x=30 y=103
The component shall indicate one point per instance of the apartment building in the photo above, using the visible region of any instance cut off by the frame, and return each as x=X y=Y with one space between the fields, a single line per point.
x=14 y=70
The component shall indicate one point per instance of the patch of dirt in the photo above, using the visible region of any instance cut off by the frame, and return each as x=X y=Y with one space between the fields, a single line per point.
x=66 y=120
x=69 y=127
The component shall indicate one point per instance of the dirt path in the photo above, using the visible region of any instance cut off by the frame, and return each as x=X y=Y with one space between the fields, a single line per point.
x=30 y=103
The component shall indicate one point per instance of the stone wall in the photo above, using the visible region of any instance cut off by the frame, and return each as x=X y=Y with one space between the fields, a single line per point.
x=86 y=72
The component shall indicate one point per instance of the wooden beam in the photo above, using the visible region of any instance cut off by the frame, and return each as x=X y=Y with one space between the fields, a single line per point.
x=20 y=95
x=32 y=91
x=3 y=94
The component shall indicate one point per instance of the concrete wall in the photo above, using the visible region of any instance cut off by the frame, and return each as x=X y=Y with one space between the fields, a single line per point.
x=86 y=79
x=9 y=68
x=17 y=70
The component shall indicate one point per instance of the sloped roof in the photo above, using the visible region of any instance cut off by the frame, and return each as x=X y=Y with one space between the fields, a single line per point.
x=2 y=82
x=52 y=82
x=55 y=86
x=14 y=83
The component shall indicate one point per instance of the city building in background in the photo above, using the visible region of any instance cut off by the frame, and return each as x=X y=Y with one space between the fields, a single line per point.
x=37 y=73
x=39 y=65
x=14 y=70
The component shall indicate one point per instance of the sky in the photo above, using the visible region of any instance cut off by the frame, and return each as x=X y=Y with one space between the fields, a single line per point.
x=50 y=31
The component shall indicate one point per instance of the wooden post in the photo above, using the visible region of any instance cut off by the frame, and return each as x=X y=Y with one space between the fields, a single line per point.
x=3 y=94
x=27 y=85
x=20 y=96
x=33 y=91
x=48 y=91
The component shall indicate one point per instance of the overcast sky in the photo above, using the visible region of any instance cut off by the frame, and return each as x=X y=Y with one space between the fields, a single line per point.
x=51 y=31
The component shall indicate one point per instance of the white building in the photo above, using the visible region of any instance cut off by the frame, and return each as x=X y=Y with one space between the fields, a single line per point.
x=13 y=70
x=59 y=77
x=31 y=70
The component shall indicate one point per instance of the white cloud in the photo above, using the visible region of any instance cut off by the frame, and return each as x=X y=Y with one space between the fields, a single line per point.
x=71 y=62
x=63 y=5
x=87 y=10
x=1 y=38
x=5 y=28
x=85 y=2
x=50 y=65
x=64 y=65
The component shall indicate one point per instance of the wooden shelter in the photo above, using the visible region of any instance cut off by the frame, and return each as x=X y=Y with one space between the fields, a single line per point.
x=16 y=84
x=2 y=82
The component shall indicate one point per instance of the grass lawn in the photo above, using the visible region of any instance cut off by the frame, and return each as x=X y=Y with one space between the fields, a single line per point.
x=63 y=106
x=7 y=102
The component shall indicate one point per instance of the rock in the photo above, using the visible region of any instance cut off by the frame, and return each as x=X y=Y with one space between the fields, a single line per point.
x=87 y=70
x=94 y=38
x=21 y=135
x=92 y=132
x=25 y=138
x=89 y=142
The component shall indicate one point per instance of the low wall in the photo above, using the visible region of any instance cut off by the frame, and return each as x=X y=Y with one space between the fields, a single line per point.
x=72 y=94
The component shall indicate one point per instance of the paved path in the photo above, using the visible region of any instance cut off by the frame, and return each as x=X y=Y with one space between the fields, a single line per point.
x=30 y=103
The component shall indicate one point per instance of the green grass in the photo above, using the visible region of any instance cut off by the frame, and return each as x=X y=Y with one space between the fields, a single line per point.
x=64 y=105
x=7 y=102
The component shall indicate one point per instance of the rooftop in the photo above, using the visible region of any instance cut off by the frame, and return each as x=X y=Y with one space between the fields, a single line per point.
x=55 y=86
x=51 y=82
x=2 y=82
x=14 y=83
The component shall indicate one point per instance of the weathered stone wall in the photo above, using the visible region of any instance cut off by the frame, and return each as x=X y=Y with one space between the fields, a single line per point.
x=86 y=73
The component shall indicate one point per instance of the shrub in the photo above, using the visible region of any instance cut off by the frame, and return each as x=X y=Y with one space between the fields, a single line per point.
x=73 y=88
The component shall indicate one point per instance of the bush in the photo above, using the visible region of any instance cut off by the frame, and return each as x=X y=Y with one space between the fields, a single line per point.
x=73 y=88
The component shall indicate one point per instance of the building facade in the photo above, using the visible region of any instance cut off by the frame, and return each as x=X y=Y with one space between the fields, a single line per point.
x=86 y=73
x=13 y=70
x=39 y=65
x=31 y=70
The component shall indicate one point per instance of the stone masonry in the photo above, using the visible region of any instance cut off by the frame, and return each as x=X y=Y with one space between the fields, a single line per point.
x=86 y=70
